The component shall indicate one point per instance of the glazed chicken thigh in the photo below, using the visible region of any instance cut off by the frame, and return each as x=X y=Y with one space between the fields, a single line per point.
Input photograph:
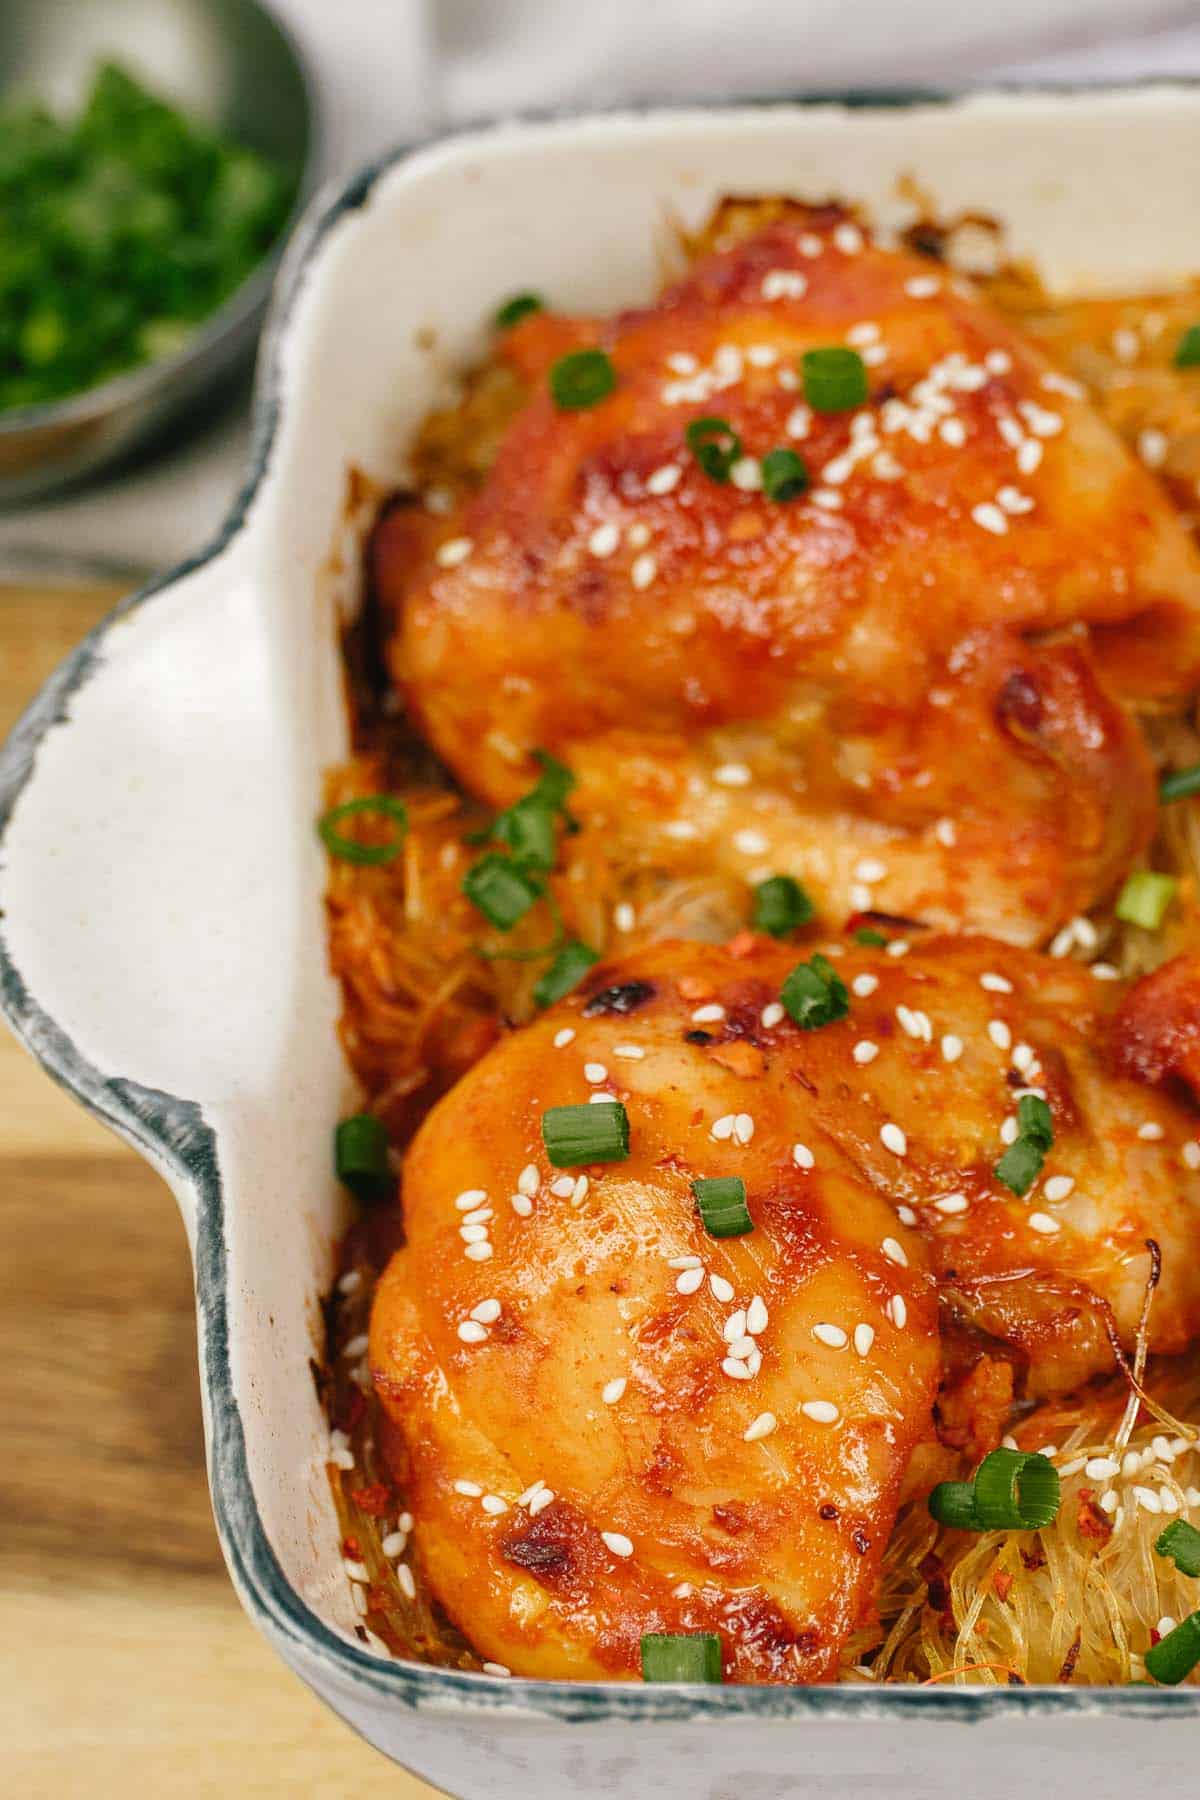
x=610 y=1422
x=913 y=685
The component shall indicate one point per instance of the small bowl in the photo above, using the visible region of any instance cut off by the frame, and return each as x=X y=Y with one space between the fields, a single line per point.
x=230 y=63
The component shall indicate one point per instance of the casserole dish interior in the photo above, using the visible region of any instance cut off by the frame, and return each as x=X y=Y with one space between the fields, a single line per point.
x=163 y=946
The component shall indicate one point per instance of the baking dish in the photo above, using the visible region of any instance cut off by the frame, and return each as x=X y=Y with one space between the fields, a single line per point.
x=162 y=947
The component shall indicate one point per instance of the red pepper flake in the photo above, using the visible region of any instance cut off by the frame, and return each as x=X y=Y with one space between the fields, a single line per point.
x=352 y=1548
x=1091 y=1522
x=742 y=944
x=375 y=1500
x=1002 y=1584
x=1034 y=1559
x=379 y=1598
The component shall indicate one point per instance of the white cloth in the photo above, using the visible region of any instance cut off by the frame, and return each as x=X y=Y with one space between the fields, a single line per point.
x=391 y=69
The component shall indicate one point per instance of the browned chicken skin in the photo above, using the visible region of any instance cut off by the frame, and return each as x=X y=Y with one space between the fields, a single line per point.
x=912 y=687
x=559 y=1351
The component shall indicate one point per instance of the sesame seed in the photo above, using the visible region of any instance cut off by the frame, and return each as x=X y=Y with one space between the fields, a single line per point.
x=922 y=287
x=357 y=1571
x=563 y=1186
x=762 y=356
x=761 y=1427
x=528 y=1180
x=629 y=1052
x=799 y=422
x=864 y=1337
x=741 y=1349
x=342 y=1458
x=894 y=1252
x=1059 y=1186
x=456 y=550
x=989 y=517
x=722 y=1128
x=472 y=1333
x=736 y=1371
x=859 y=896
x=684 y=1262
x=564 y=1037
x=473 y=1234
x=772 y=1015
x=952 y=1047
x=874 y=354
x=1014 y=501
x=708 y=1015
x=1043 y=1223
x=743 y=1128
x=613 y=1390
x=733 y=774
x=734 y=1326
x=722 y=1290
x=751 y=843
x=870 y=869
x=350 y=1282
x=1191 y=1154
x=802 y=1156
x=644 y=570
x=951 y=1203
x=784 y=284
x=1146 y=1498
x=604 y=540
x=480 y=1252
x=1150 y=1132
x=580 y=1191
x=521 y=1204
x=1109 y=1500
x=487 y=1312
x=1023 y=1058
x=1029 y=456
x=682 y=362
x=848 y=239
x=906 y=1215
x=864 y=985
x=809 y=244
x=997 y=362
x=746 y=474
x=689 y=1281
x=865 y=333
x=1125 y=343
x=664 y=479
x=1101 y=1468
x=757 y=1316
x=996 y=984
x=897 y=1311
x=865 y=1051
x=1000 y=1034
x=480 y=1216
x=540 y=1501
x=493 y=1504
x=833 y=1335
x=893 y=1139
x=1010 y=1131
x=1131 y=1462
x=1152 y=447
x=406 y=1581
x=470 y=1198
x=471 y=1489
x=624 y=918
x=638 y=535
x=595 y=1072
x=1102 y=971
x=683 y=829
x=438 y=500
x=356 y=1345
x=821 y=1412
x=898 y=947
x=393 y=1544
x=618 y=1543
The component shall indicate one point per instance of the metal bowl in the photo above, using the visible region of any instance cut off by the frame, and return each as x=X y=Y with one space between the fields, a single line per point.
x=232 y=64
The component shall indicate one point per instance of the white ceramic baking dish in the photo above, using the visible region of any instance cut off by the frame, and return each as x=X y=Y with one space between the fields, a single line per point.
x=162 y=933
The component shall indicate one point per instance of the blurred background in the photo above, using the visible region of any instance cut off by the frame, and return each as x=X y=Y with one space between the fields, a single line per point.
x=154 y=156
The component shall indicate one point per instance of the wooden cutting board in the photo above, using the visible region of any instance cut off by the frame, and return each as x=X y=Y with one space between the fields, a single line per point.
x=129 y=1666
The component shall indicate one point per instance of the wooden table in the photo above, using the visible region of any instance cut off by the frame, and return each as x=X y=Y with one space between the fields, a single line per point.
x=129 y=1667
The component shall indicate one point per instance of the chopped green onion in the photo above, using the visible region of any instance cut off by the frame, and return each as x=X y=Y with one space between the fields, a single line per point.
x=350 y=849
x=565 y=972
x=1181 y=1542
x=581 y=379
x=518 y=308
x=501 y=890
x=814 y=994
x=953 y=1503
x=722 y=1203
x=784 y=475
x=1012 y=1490
x=360 y=1156
x=1177 y=1654
x=715 y=445
x=1187 y=351
x=1016 y=1490
x=1179 y=784
x=1145 y=898
x=834 y=379
x=872 y=939
x=528 y=828
x=555 y=781
x=681 y=1656
x=780 y=905
x=1021 y=1165
x=1035 y=1121
x=595 y=1133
